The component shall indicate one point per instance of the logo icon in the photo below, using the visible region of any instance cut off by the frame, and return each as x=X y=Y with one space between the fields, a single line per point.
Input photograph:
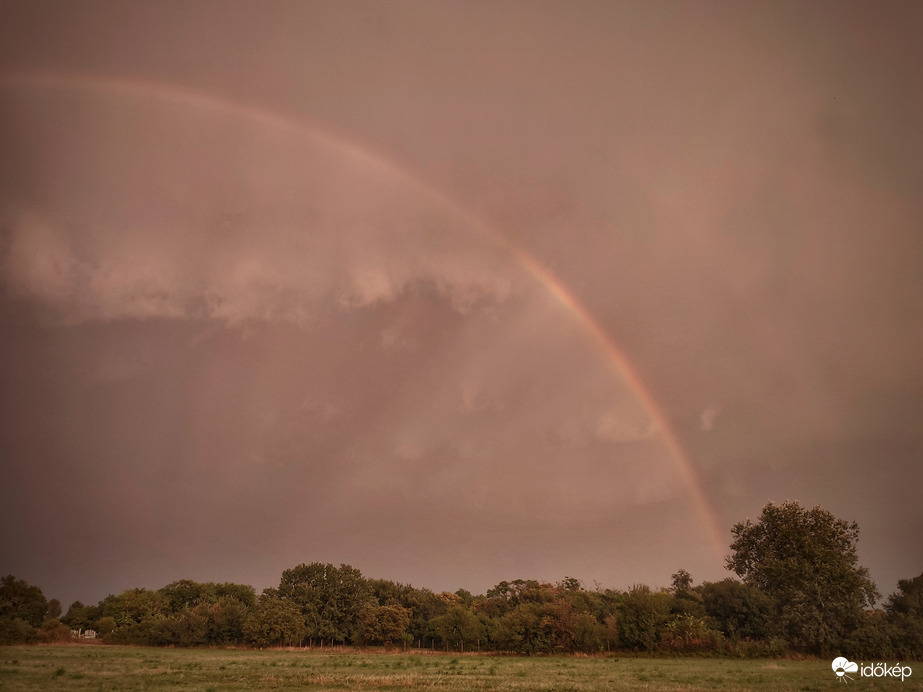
x=842 y=666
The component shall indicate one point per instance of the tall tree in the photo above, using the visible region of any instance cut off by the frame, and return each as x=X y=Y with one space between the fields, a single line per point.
x=805 y=561
x=687 y=600
x=682 y=582
x=330 y=598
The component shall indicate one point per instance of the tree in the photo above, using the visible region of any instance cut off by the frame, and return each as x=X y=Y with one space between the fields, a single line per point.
x=458 y=627
x=185 y=593
x=424 y=606
x=687 y=600
x=274 y=621
x=225 y=618
x=643 y=615
x=330 y=598
x=805 y=561
x=186 y=628
x=243 y=593
x=682 y=582
x=740 y=611
x=82 y=617
x=383 y=624
x=589 y=634
x=54 y=609
x=570 y=584
x=133 y=606
x=522 y=630
x=20 y=600
x=908 y=599
x=905 y=612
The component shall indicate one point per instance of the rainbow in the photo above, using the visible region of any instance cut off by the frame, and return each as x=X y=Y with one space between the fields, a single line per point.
x=298 y=126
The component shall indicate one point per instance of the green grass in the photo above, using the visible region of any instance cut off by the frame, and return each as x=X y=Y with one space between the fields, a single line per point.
x=103 y=668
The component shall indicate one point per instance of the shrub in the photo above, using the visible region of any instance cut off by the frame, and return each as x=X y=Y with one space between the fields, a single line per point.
x=17 y=631
x=686 y=634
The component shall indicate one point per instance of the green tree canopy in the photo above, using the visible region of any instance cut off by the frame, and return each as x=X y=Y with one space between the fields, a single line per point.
x=274 y=621
x=805 y=561
x=682 y=582
x=329 y=597
x=643 y=614
x=739 y=610
x=908 y=599
x=383 y=624
x=20 y=600
x=22 y=610
x=133 y=606
x=905 y=611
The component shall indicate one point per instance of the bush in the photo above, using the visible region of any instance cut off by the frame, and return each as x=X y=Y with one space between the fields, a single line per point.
x=17 y=631
x=137 y=633
x=54 y=631
x=687 y=634
x=105 y=626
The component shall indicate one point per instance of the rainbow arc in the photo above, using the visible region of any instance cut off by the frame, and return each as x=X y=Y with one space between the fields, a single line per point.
x=616 y=359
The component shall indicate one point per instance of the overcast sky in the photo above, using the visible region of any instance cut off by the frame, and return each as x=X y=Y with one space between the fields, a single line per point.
x=454 y=292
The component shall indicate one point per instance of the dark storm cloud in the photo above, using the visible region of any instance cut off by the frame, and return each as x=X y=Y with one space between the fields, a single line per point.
x=230 y=347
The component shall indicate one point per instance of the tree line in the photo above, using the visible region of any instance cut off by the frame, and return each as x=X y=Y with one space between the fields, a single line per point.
x=799 y=589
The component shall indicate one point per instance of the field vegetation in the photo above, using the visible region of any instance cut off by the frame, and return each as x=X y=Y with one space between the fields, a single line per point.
x=126 y=669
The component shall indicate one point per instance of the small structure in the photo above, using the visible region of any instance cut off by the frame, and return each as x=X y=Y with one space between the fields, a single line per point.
x=83 y=634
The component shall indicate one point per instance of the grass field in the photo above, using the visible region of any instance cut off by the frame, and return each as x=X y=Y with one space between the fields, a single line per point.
x=88 y=667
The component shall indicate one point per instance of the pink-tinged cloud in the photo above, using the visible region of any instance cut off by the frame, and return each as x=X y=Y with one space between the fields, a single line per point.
x=450 y=291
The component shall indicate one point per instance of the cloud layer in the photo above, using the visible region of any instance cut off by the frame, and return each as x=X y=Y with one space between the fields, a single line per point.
x=145 y=224
x=231 y=329
x=233 y=341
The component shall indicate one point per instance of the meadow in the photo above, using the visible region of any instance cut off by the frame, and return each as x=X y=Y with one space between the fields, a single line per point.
x=102 y=668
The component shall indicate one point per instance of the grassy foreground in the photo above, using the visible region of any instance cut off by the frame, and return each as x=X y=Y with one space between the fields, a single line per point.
x=87 y=667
